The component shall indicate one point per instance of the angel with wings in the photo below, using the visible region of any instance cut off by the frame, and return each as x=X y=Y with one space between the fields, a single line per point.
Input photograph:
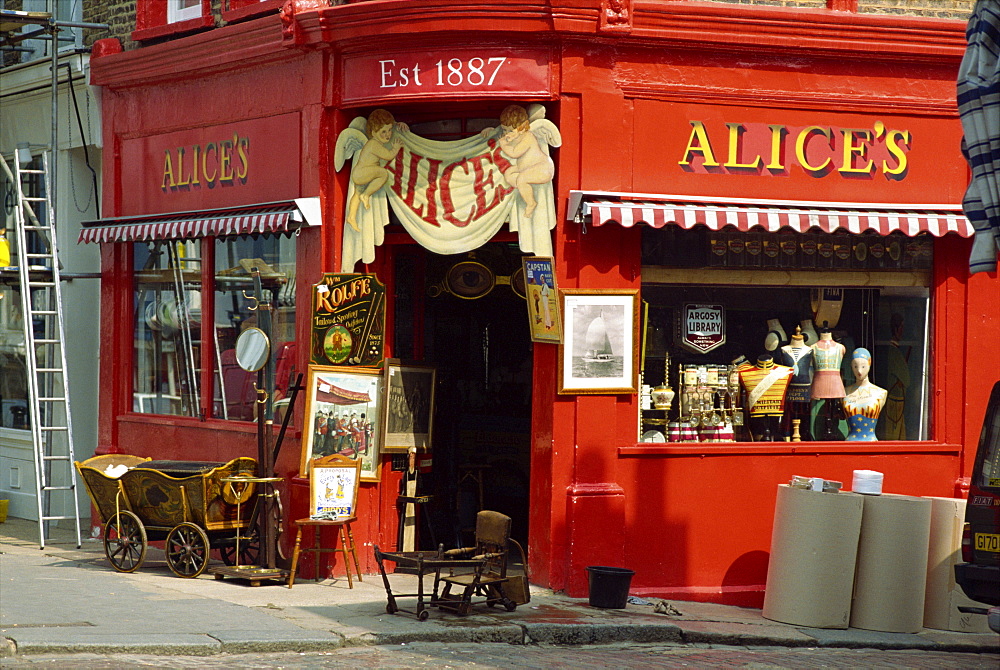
x=373 y=152
x=531 y=163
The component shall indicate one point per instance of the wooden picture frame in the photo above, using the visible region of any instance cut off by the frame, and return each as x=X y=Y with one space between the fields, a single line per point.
x=342 y=416
x=599 y=353
x=408 y=415
x=333 y=487
x=542 y=298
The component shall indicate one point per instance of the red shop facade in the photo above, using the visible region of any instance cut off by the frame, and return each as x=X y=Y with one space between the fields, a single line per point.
x=723 y=176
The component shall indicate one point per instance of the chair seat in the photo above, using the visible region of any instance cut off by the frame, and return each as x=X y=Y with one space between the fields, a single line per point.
x=466 y=580
x=325 y=522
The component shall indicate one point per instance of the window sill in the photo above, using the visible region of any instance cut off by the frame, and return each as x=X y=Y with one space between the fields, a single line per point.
x=702 y=449
x=252 y=10
x=173 y=29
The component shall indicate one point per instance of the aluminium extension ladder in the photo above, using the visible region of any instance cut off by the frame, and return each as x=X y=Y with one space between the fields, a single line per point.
x=45 y=351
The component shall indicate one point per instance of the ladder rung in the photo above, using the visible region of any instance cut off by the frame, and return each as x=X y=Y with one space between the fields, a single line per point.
x=38 y=227
x=54 y=428
x=56 y=458
x=41 y=284
x=52 y=399
x=57 y=518
x=32 y=198
x=58 y=488
x=31 y=171
x=59 y=370
x=44 y=341
x=44 y=312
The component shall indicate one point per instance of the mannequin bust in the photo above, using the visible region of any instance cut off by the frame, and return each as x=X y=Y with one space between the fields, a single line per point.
x=864 y=400
x=809 y=332
x=828 y=355
x=775 y=335
x=766 y=385
x=799 y=357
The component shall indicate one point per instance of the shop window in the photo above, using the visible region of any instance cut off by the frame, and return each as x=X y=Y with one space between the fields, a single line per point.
x=721 y=300
x=164 y=18
x=179 y=326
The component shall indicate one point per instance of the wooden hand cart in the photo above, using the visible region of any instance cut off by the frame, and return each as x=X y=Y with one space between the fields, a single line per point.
x=192 y=506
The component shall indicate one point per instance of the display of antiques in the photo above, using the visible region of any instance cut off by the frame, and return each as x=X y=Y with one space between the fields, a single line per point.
x=792 y=390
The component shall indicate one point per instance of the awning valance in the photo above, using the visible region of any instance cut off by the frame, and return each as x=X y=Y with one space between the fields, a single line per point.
x=274 y=217
x=658 y=211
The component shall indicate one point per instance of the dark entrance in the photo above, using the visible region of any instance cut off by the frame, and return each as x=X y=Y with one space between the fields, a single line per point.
x=466 y=316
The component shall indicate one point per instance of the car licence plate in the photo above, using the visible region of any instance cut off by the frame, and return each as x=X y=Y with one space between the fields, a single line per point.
x=987 y=542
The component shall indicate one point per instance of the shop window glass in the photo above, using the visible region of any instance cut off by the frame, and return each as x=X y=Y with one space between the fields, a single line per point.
x=174 y=333
x=13 y=373
x=235 y=258
x=715 y=303
x=13 y=366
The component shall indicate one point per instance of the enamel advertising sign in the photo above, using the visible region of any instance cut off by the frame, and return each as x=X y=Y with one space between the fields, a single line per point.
x=348 y=320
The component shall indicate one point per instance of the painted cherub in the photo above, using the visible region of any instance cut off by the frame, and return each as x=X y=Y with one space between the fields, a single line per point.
x=519 y=140
x=368 y=172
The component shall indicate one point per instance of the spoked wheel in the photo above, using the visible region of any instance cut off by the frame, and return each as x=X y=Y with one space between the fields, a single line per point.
x=423 y=615
x=125 y=542
x=249 y=550
x=187 y=550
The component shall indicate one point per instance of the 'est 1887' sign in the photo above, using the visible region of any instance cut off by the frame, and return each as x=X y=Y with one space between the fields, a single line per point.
x=510 y=73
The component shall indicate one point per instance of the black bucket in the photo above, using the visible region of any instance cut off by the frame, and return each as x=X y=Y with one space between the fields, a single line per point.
x=609 y=586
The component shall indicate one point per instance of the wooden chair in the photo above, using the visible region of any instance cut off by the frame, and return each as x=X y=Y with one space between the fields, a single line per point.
x=333 y=497
x=488 y=560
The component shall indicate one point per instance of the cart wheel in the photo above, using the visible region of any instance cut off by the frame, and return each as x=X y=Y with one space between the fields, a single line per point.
x=423 y=615
x=509 y=604
x=187 y=550
x=125 y=542
x=390 y=609
x=249 y=551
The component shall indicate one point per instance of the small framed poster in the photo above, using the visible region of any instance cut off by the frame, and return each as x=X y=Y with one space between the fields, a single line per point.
x=409 y=407
x=544 y=316
x=343 y=406
x=599 y=353
x=333 y=487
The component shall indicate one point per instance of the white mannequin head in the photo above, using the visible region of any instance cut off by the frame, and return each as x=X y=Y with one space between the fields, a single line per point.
x=861 y=363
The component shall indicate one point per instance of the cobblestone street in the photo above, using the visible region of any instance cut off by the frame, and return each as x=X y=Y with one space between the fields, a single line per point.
x=439 y=655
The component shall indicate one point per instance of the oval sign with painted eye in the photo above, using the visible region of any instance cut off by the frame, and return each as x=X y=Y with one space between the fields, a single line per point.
x=252 y=349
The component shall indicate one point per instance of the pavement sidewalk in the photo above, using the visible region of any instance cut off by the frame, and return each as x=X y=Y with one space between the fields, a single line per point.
x=68 y=600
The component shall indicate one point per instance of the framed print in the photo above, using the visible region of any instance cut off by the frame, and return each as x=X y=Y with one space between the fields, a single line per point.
x=543 y=299
x=343 y=406
x=409 y=406
x=599 y=352
x=333 y=487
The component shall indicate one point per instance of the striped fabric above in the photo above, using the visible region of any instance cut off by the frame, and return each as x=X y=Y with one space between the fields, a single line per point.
x=801 y=219
x=280 y=218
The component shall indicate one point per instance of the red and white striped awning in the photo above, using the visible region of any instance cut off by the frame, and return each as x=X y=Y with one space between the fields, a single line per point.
x=799 y=216
x=275 y=217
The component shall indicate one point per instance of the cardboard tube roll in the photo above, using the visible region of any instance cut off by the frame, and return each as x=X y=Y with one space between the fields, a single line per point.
x=813 y=549
x=943 y=595
x=891 y=576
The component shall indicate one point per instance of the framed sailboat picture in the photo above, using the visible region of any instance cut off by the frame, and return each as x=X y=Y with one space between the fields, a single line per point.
x=599 y=352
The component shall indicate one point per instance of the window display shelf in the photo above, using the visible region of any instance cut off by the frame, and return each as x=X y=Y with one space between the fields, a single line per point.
x=778 y=277
x=701 y=449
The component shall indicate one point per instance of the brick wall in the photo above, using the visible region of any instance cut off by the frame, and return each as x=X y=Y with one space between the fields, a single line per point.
x=118 y=14
x=942 y=9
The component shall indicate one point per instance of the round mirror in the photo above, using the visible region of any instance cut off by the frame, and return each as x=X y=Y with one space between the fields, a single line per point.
x=252 y=349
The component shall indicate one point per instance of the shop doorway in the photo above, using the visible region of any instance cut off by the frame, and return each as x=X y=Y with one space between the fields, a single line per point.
x=466 y=316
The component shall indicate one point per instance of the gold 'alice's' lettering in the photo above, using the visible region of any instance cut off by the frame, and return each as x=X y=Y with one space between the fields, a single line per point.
x=847 y=151
x=800 y=147
x=896 y=151
x=735 y=131
x=698 y=143
x=860 y=150
x=206 y=165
